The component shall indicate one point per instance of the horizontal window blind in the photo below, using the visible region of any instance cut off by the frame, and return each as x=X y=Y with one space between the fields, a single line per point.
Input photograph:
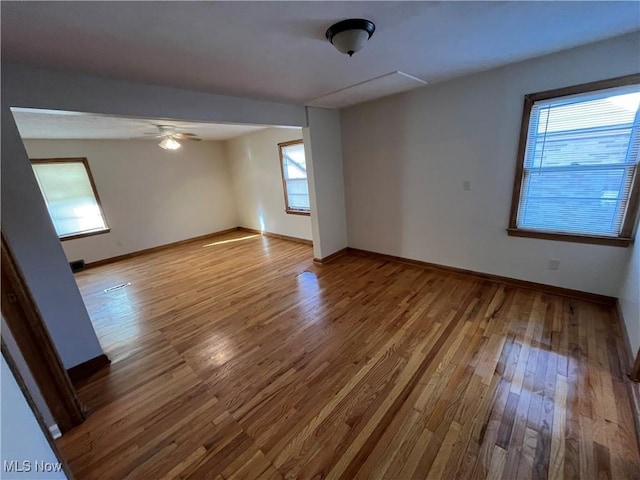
x=69 y=197
x=580 y=160
x=295 y=177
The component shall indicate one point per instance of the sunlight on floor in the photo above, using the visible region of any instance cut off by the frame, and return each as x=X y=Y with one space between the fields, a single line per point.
x=231 y=240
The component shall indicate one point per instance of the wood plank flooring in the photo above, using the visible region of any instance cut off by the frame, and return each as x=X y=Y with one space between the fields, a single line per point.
x=239 y=358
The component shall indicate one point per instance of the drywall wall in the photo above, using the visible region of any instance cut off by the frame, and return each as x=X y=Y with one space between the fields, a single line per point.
x=323 y=152
x=33 y=87
x=629 y=297
x=254 y=162
x=149 y=196
x=406 y=158
x=22 y=438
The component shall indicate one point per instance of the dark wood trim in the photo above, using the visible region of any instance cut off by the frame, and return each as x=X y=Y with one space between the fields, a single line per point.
x=566 y=237
x=32 y=337
x=287 y=208
x=626 y=233
x=298 y=212
x=332 y=257
x=276 y=235
x=634 y=389
x=632 y=205
x=635 y=370
x=86 y=369
x=632 y=366
x=522 y=147
x=586 y=87
x=84 y=162
x=83 y=235
x=159 y=248
x=619 y=315
x=34 y=408
x=514 y=282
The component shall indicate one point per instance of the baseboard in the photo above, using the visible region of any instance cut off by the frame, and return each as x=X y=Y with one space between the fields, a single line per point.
x=331 y=258
x=633 y=365
x=276 y=235
x=55 y=431
x=632 y=360
x=159 y=248
x=634 y=391
x=514 y=282
x=88 y=368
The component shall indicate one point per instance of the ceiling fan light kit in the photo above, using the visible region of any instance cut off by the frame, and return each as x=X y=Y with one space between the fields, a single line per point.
x=169 y=143
x=349 y=36
x=169 y=137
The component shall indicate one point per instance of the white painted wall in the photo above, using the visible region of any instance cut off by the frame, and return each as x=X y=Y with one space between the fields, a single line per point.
x=22 y=438
x=323 y=153
x=406 y=157
x=254 y=162
x=629 y=297
x=150 y=196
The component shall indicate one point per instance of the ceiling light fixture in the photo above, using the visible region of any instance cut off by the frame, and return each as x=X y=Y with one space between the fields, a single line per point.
x=349 y=36
x=169 y=143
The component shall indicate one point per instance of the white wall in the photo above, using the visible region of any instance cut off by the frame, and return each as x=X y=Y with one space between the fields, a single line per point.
x=323 y=152
x=406 y=157
x=254 y=162
x=629 y=297
x=150 y=196
x=22 y=438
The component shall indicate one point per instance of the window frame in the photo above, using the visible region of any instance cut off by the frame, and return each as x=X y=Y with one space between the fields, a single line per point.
x=625 y=237
x=287 y=208
x=85 y=163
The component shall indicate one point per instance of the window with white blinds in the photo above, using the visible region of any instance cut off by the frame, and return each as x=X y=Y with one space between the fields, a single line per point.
x=579 y=164
x=294 y=177
x=69 y=193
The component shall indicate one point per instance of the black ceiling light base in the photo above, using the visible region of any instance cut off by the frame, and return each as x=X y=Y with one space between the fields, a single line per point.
x=349 y=36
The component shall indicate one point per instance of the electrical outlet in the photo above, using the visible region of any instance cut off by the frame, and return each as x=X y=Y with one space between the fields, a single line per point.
x=466 y=185
x=554 y=264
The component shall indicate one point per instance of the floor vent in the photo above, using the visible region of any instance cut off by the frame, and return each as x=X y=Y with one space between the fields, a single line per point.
x=117 y=287
x=76 y=265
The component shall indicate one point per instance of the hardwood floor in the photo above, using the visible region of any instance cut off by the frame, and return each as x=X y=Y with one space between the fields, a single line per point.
x=239 y=358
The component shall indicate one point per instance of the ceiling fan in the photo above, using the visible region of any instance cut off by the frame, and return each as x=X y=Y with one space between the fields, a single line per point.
x=169 y=137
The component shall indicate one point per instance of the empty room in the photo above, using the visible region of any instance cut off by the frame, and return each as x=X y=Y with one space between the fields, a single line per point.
x=304 y=240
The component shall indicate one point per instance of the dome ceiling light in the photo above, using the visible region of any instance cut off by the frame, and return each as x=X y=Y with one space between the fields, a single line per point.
x=349 y=36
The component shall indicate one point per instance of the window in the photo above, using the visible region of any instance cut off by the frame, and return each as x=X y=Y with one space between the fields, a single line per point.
x=71 y=197
x=578 y=164
x=294 y=177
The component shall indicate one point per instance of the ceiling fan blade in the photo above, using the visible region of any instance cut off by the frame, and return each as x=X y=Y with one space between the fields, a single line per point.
x=184 y=136
x=193 y=139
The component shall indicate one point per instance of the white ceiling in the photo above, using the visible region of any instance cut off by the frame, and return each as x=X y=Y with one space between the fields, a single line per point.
x=48 y=124
x=277 y=50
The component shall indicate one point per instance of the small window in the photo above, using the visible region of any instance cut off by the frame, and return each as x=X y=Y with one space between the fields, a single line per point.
x=578 y=163
x=71 y=197
x=294 y=177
